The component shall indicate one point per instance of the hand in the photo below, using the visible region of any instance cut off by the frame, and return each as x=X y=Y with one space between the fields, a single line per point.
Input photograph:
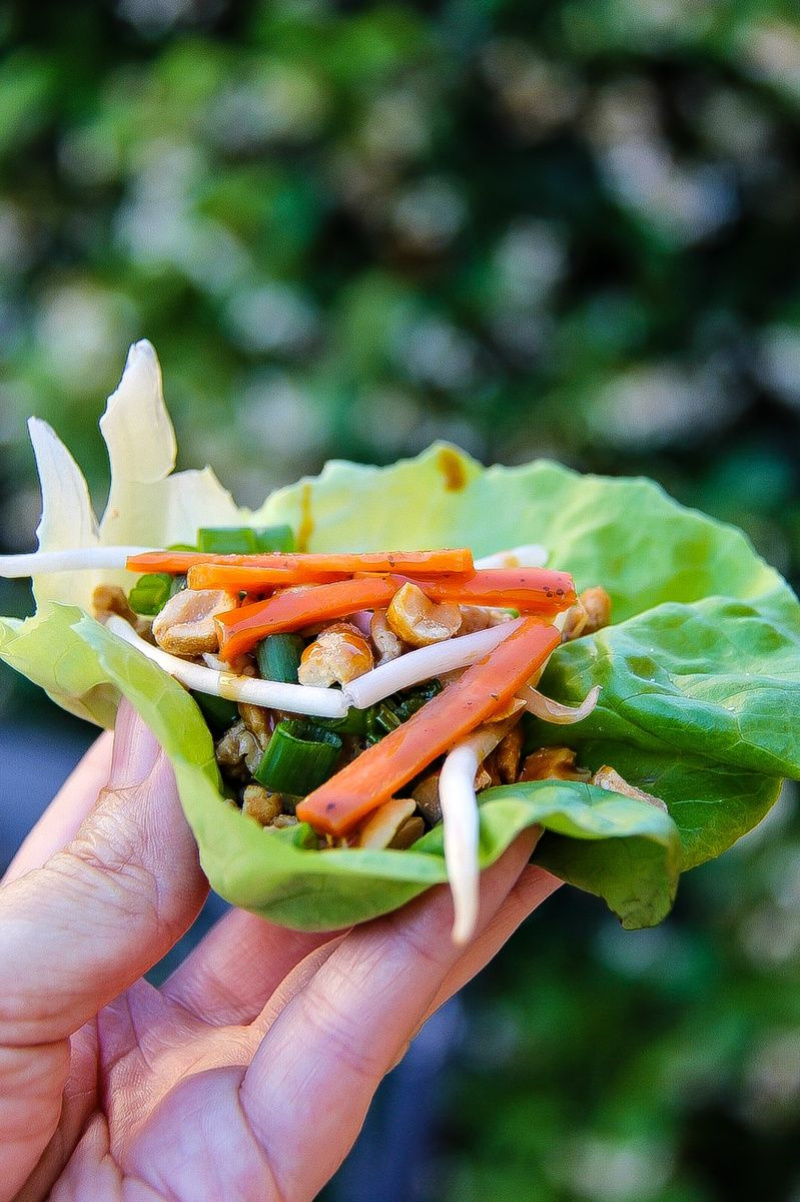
x=248 y=1074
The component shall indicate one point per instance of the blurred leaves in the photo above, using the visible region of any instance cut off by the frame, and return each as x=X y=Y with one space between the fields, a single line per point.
x=560 y=227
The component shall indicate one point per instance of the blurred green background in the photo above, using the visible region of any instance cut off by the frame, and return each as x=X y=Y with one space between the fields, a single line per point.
x=565 y=228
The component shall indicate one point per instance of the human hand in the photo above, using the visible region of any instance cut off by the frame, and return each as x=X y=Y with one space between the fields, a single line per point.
x=249 y=1073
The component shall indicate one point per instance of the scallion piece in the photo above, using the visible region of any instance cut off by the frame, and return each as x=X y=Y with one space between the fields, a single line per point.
x=150 y=593
x=299 y=757
x=226 y=540
x=244 y=540
x=278 y=657
x=274 y=538
x=355 y=722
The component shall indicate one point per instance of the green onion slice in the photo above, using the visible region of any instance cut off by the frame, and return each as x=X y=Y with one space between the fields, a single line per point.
x=150 y=593
x=245 y=540
x=299 y=757
x=278 y=657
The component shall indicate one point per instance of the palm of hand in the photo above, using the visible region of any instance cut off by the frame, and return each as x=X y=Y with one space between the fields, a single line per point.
x=249 y=1073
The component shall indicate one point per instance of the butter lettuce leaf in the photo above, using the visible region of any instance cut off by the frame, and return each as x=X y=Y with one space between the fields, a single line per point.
x=282 y=874
x=700 y=672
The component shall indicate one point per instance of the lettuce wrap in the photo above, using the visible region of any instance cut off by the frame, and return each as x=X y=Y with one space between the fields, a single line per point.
x=700 y=671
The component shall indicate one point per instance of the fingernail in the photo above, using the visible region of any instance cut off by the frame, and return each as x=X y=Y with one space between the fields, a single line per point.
x=135 y=749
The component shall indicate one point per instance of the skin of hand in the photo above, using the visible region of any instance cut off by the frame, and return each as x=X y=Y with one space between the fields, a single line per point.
x=248 y=1074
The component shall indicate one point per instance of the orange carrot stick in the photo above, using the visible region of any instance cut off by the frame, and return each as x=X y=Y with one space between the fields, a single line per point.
x=240 y=629
x=530 y=590
x=383 y=769
x=247 y=579
x=413 y=563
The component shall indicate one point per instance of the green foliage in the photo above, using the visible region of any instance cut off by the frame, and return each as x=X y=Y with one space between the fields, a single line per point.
x=559 y=227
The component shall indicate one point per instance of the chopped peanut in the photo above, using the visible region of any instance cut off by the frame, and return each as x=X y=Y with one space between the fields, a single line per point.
x=384 y=639
x=284 y=820
x=238 y=751
x=384 y=823
x=261 y=804
x=426 y=795
x=186 y=624
x=485 y=777
x=408 y=832
x=479 y=617
x=420 y=622
x=507 y=755
x=592 y=612
x=257 y=721
x=338 y=655
x=111 y=599
x=553 y=763
x=609 y=778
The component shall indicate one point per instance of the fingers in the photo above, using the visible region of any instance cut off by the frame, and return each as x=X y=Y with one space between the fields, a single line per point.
x=66 y=811
x=339 y=1034
x=76 y=932
x=235 y=969
x=533 y=886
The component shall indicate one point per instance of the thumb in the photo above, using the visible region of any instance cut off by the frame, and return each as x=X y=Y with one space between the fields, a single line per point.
x=77 y=932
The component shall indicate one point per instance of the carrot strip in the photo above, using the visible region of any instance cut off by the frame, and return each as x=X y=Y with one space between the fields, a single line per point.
x=240 y=629
x=240 y=578
x=380 y=771
x=530 y=590
x=456 y=560
x=175 y=562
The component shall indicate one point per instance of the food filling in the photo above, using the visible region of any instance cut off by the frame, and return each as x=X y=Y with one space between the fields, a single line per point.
x=370 y=695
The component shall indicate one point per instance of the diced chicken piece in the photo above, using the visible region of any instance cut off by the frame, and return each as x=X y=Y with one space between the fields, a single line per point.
x=261 y=804
x=384 y=639
x=480 y=617
x=238 y=751
x=418 y=621
x=338 y=655
x=284 y=820
x=186 y=626
x=111 y=599
x=553 y=763
x=384 y=823
x=592 y=612
x=609 y=778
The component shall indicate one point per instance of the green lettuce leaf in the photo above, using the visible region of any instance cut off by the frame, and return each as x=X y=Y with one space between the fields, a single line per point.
x=700 y=673
x=281 y=874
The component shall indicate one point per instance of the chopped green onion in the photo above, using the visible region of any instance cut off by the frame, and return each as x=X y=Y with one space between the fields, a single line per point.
x=278 y=657
x=181 y=547
x=385 y=718
x=375 y=722
x=409 y=702
x=355 y=722
x=299 y=757
x=244 y=540
x=150 y=593
x=226 y=540
x=218 y=712
x=274 y=538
